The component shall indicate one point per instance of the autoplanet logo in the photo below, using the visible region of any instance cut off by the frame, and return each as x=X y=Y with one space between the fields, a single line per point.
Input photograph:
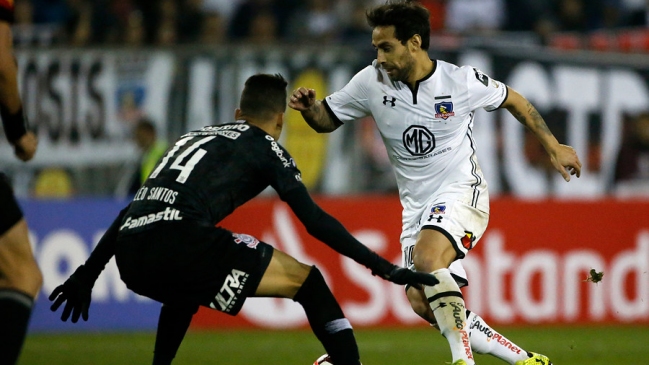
x=418 y=140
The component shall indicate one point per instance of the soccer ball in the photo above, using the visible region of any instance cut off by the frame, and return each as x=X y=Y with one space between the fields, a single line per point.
x=323 y=360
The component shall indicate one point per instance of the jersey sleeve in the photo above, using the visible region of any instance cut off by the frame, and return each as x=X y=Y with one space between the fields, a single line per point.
x=7 y=11
x=279 y=167
x=484 y=92
x=351 y=102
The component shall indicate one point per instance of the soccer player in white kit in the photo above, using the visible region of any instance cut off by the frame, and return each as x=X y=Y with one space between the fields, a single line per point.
x=424 y=111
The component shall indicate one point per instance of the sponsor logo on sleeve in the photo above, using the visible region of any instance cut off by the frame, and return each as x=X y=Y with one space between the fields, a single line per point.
x=484 y=79
x=280 y=153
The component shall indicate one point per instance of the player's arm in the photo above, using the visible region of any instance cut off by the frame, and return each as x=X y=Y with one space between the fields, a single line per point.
x=105 y=248
x=77 y=289
x=11 y=110
x=563 y=157
x=327 y=229
x=313 y=111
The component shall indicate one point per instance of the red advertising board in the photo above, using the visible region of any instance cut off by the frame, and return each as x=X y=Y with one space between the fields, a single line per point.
x=531 y=266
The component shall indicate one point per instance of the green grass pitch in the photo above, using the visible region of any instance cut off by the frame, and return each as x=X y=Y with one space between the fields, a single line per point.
x=597 y=345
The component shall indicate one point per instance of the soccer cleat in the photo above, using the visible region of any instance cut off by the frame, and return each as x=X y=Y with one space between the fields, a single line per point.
x=535 y=359
x=459 y=362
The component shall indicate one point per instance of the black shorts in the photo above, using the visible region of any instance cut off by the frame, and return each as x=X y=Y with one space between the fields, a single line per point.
x=10 y=212
x=183 y=263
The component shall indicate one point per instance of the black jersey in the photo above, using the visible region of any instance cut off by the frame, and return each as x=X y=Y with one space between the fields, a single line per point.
x=7 y=11
x=210 y=172
x=205 y=176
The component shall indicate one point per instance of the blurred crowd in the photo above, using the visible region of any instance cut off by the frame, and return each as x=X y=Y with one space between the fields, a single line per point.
x=169 y=22
x=135 y=23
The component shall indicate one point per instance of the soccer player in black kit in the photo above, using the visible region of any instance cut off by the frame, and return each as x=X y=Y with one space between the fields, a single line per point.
x=20 y=277
x=167 y=245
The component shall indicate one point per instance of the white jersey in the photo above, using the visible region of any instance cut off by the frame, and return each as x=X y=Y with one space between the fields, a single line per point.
x=428 y=131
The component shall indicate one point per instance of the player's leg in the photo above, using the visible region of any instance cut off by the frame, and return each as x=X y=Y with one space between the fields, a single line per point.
x=226 y=268
x=484 y=339
x=434 y=253
x=448 y=230
x=288 y=278
x=20 y=278
x=173 y=323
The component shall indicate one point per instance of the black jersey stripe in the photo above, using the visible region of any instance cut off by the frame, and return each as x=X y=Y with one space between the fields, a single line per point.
x=474 y=167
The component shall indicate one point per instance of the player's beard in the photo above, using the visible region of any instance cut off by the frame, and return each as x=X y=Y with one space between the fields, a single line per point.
x=403 y=73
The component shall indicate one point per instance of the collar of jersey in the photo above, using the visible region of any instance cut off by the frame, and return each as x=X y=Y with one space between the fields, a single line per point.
x=415 y=90
x=429 y=74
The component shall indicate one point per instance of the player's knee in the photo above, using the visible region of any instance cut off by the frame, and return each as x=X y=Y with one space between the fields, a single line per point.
x=313 y=286
x=298 y=275
x=426 y=260
x=433 y=251
x=313 y=278
x=22 y=275
x=34 y=279
x=426 y=263
x=303 y=272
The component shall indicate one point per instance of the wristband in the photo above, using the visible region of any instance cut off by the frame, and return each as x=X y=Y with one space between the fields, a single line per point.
x=15 y=124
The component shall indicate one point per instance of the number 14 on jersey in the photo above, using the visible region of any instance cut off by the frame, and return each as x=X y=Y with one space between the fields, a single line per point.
x=186 y=169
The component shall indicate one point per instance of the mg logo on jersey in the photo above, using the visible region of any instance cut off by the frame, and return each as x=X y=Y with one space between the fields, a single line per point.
x=418 y=140
x=391 y=100
x=444 y=110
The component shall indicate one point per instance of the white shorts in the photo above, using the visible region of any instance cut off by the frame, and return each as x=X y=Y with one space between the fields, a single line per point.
x=462 y=224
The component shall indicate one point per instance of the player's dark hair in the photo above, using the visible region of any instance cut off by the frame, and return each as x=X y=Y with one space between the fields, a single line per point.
x=145 y=124
x=263 y=95
x=408 y=18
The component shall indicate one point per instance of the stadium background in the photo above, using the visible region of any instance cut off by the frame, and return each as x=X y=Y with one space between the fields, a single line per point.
x=528 y=274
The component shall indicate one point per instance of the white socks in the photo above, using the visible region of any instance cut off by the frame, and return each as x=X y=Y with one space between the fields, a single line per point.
x=485 y=340
x=447 y=303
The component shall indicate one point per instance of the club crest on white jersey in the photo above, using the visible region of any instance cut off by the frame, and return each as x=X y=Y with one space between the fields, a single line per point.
x=427 y=130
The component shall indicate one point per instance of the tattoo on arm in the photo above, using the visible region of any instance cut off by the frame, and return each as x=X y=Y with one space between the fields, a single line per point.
x=535 y=122
x=318 y=118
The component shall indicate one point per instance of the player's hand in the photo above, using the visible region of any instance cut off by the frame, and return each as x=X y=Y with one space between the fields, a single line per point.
x=566 y=161
x=76 y=293
x=302 y=99
x=402 y=276
x=25 y=147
